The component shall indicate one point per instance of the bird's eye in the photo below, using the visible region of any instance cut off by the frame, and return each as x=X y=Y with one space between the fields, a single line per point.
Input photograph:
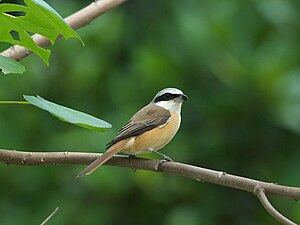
x=167 y=96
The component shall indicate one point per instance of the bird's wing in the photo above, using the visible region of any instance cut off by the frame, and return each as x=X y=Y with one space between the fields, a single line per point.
x=146 y=119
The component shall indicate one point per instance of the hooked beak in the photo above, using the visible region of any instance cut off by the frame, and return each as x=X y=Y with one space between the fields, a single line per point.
x=184 y=97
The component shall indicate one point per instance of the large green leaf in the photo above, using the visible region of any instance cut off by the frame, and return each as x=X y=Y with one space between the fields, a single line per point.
x=8 y=65
x=69 y=115
x=39 y=18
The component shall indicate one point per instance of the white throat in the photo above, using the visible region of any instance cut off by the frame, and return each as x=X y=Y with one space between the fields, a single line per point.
x=172 y=105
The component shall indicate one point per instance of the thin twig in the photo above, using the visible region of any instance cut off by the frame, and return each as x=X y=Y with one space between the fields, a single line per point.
x=267 y=205
x=15 y=102
x=180 y=169
x=77 y=20
x=50 y=216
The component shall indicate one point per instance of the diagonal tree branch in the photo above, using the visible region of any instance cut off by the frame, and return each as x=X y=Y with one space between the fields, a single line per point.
x=259 y=188
x=50 y=216
x=77 y=20
x=260 y=192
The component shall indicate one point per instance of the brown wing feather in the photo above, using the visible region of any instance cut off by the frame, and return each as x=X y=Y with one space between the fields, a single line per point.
x=146 y=119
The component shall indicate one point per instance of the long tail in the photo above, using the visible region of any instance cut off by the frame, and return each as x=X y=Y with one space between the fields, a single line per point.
x=100 y=161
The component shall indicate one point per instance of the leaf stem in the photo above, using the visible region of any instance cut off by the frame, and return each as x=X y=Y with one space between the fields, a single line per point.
x=15 y=102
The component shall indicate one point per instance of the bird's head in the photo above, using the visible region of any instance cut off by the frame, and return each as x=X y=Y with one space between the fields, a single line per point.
x=170 y=99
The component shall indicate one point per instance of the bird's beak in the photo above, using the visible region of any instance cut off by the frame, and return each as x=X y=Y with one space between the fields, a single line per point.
x=184 y=97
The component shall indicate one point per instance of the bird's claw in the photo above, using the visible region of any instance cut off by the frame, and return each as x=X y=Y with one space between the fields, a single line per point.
x=168 y=159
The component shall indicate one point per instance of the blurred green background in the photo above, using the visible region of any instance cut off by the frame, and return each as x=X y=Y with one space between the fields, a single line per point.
x=239 y=63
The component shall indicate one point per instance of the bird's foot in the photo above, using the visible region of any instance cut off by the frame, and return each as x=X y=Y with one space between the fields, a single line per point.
x=167 y=159
x=131 y=156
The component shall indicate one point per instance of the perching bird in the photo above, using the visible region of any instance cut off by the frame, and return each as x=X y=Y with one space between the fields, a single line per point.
x=149 y=130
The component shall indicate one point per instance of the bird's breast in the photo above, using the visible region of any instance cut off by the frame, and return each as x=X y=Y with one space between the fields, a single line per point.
x=156 y=138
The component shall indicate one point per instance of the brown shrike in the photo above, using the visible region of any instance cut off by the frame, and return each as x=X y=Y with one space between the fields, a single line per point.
x=149 y=130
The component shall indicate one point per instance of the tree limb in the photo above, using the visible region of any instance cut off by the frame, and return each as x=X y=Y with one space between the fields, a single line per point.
x=77 y=20
x=259 y=188
x=260 y=192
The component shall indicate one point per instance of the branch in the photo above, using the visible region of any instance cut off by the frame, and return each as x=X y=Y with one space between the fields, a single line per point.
x=50 y=216
x=77 y=20
x=259 y=188
x=260 y=192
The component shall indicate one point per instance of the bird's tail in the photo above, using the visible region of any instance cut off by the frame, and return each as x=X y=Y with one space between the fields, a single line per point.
x=100 y=160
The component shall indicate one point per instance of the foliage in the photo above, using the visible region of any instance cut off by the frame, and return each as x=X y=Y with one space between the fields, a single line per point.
x=9 y=65
x=69 y=115
x=238 y=61
x=37 y=17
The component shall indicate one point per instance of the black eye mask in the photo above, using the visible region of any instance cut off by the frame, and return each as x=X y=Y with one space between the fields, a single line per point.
x=167 y=97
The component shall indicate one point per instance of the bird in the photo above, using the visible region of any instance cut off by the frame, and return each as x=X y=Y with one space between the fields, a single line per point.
x=149 y=130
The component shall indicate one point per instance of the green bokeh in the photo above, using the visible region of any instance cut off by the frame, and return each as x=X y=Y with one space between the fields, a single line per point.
x=239 y=63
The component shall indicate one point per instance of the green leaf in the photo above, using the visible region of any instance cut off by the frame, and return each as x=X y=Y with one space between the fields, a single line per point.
x=69 y=115
x=39 y=18
x=8 y=65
